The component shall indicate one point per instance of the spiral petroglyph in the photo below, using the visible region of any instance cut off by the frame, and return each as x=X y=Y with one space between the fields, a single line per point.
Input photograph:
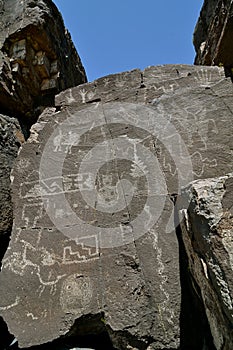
x=110 y=164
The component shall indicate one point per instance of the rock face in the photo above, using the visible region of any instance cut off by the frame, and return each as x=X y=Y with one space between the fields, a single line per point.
x=93 y=248
x=10 y=139
x=213 y=34
x=37 y=58
x=112 y=248
x=207 y=233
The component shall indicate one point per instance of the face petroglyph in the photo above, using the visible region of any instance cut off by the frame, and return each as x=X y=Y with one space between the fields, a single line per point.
x=76 y=294
x=96 y=187
x=119 y=164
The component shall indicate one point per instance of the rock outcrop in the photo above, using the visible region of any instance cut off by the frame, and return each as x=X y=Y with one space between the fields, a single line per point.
x=207 y=234
x=99 y=176
x=122 y=230
x=213 y=34
x=37 y=58
x=11 y=138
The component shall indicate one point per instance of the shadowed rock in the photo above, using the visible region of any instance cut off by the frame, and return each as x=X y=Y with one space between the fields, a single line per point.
x=37 y=58
x=207 y=236
x=213 y=34
x=93 y=247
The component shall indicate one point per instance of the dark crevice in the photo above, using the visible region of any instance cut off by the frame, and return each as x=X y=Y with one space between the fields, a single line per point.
x=94 y=101
x=28 y=119
x=195 y=333
x=5 y=240
x=5 y=337
x=87 y=332
x=228 y=72
x=142 y=85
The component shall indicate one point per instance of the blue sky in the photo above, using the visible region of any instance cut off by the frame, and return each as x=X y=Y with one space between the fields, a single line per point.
x=115 y=36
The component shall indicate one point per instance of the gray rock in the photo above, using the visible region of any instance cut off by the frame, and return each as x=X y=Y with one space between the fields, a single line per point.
x=207 y=236
x=98 y=176
x=10 y=139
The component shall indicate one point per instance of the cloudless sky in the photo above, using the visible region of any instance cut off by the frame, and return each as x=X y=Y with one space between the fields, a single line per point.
x=113 y=36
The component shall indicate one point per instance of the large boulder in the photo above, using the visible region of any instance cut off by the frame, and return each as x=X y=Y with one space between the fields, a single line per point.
x=37 y=57
x=207 y=233
x=213 y=34
x=93 y=248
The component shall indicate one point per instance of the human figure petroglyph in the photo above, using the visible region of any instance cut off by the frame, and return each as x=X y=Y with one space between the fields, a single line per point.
x=204 y=124
x=31 y=221
x=107 y=192
x=67 y=139
x=83 y=94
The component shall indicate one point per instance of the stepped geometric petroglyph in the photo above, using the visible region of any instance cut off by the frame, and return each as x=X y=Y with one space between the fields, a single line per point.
x=94 y=190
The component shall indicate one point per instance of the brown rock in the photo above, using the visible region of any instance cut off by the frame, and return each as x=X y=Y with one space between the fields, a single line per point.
x=37 y=58
x=99 y=178
x=213 y=34
x=207 y=234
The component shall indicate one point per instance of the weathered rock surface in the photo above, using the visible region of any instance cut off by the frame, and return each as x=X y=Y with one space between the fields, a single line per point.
x=37 y=58
x=213 y=34
x=207 y=233
x=98 y=176
x=10 y=139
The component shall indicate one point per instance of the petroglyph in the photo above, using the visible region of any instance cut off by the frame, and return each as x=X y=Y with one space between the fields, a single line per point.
x=76 y=293
x=93 y=202
x=65 y=141
x=8 y=307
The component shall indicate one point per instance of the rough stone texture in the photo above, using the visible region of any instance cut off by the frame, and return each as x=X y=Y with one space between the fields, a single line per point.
x=213 y=34
x=207 y=232
x=10 y=139
x=108 y=272
x=37 y=60
x=37 y=57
